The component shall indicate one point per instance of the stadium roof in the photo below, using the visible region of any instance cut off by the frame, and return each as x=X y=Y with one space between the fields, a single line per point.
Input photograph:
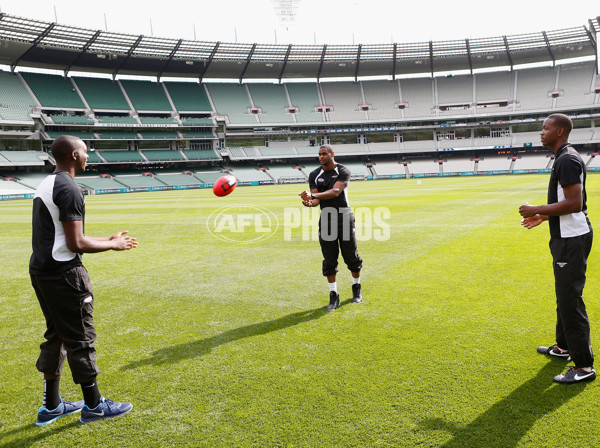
x=33 y=43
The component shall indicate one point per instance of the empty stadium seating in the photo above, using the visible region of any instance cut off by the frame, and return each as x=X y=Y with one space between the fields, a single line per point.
x=389 y=168
x=272 y=101
x=15 y=100
x=31 y=180
x=274 y=151
x=232 y=100
x=346 y=99
x=146 y=96
x=144 y=114
x=117 y=120
x=594 y=162
x=308 y=150
x=457 y=164
x=383 y=98
x=177 y=179
x=281 y=174
x=102 y=94
x=200 y=154
x=99 y=183
x=188 y=96
x=122 y=156
x=162 y=155
x=426 y=166
x=249 y=174
x=71 y=119
x=454 y=90
x=94 y=157
x=9 y=187
x=532 y=162
x=534 y=88
x=159 y=135
x=193 y=135
x=84 y=135
x=53 y=90
x=167 y=121
x=305 y=97
x=208 y=177
x=574 y=82
x=139 y=181
x=117 y=135
x=417 y=95
x=358 y=170
x=492 y=90
x=490 y=162
x=197 y=121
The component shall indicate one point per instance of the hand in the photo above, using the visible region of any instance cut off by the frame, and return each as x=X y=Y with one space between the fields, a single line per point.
x=118 y=234
x=305 y=195
x=123 y=241
x=532 y=221
x=527 y=210
x=308 y=203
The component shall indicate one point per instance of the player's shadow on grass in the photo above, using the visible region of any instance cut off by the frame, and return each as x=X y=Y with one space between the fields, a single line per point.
x=32 y=434
x=203 y=346
x=509 y=420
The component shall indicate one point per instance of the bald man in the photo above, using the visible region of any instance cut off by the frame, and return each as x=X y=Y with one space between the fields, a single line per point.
x=63 y=287
x=570 y=245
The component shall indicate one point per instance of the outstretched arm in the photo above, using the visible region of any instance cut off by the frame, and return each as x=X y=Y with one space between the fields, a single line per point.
x=79 y=243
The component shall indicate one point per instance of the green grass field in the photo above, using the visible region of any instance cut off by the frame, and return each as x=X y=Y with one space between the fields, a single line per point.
x=222 y=344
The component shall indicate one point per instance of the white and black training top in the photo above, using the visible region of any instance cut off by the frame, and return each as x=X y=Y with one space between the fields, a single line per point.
x=57 y=198
x=325 y=180
x=568 y=169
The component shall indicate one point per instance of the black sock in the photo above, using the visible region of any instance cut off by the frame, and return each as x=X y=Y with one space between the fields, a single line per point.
x=91 y=394
x=51 y=398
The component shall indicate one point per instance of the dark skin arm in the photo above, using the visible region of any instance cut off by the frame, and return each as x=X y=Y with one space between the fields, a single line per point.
x=79 y=243
x=534 y=215
x=332 y=193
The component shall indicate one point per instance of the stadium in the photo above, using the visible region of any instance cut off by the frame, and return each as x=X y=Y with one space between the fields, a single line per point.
x=176 y=134
x=212 y=340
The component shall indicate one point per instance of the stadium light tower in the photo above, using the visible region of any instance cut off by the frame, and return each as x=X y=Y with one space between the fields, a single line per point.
x=285 y=10
x=597 y=52
x=594 y=33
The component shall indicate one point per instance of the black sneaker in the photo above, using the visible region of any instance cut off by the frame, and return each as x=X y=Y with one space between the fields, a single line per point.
x=575 y=375
x=356 y=293
x=555 y=351
x=334 y=301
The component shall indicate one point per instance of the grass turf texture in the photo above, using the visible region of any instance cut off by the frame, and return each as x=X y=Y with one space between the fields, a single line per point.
x=220 y=344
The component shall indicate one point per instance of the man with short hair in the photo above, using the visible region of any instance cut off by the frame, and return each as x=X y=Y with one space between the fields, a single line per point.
x=570 y=244
x=63 y=287
x=328 y=189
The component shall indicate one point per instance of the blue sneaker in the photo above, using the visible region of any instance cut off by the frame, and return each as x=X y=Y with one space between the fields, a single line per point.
x=45 y=416
x=105 y=409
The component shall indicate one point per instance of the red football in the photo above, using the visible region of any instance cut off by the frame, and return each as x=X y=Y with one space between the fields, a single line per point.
x=224 y=185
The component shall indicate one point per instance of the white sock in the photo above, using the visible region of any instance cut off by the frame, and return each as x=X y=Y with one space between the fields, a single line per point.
x=333 y=287
x=356 y=280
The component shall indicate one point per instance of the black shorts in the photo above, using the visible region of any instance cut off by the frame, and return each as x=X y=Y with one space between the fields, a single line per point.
x=67 y=302
x=337 y=232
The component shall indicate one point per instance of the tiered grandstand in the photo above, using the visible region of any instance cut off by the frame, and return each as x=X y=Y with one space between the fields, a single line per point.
x=468 y=107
